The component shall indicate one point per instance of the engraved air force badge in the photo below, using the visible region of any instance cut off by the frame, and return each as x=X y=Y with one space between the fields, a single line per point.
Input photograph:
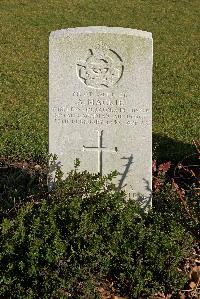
x=102 y=68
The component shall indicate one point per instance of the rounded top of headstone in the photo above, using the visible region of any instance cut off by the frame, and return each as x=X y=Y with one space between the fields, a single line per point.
x=100 y=29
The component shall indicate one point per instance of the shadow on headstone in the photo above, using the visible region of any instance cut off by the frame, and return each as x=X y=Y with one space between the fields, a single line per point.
x=126 y=170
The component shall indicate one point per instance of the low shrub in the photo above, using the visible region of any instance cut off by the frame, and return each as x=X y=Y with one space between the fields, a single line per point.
x=85 y=233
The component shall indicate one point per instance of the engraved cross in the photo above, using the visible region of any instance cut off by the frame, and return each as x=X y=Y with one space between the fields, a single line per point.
x=99 y=149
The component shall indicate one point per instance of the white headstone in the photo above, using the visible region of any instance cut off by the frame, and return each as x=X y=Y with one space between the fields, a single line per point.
x=100 y=103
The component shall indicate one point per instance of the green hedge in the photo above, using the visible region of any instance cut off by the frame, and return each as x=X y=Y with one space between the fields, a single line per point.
x=68 y=243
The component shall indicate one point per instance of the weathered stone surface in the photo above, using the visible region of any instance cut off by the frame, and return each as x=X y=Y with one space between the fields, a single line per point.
x=100 y=103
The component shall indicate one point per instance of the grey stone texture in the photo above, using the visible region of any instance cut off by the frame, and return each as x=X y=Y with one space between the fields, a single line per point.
x=100 y=104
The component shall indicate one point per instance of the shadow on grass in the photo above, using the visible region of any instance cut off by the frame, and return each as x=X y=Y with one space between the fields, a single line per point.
x=19 y=184
x=168 y=149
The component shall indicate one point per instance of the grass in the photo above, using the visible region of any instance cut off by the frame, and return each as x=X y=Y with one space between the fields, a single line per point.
x=25 y=27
